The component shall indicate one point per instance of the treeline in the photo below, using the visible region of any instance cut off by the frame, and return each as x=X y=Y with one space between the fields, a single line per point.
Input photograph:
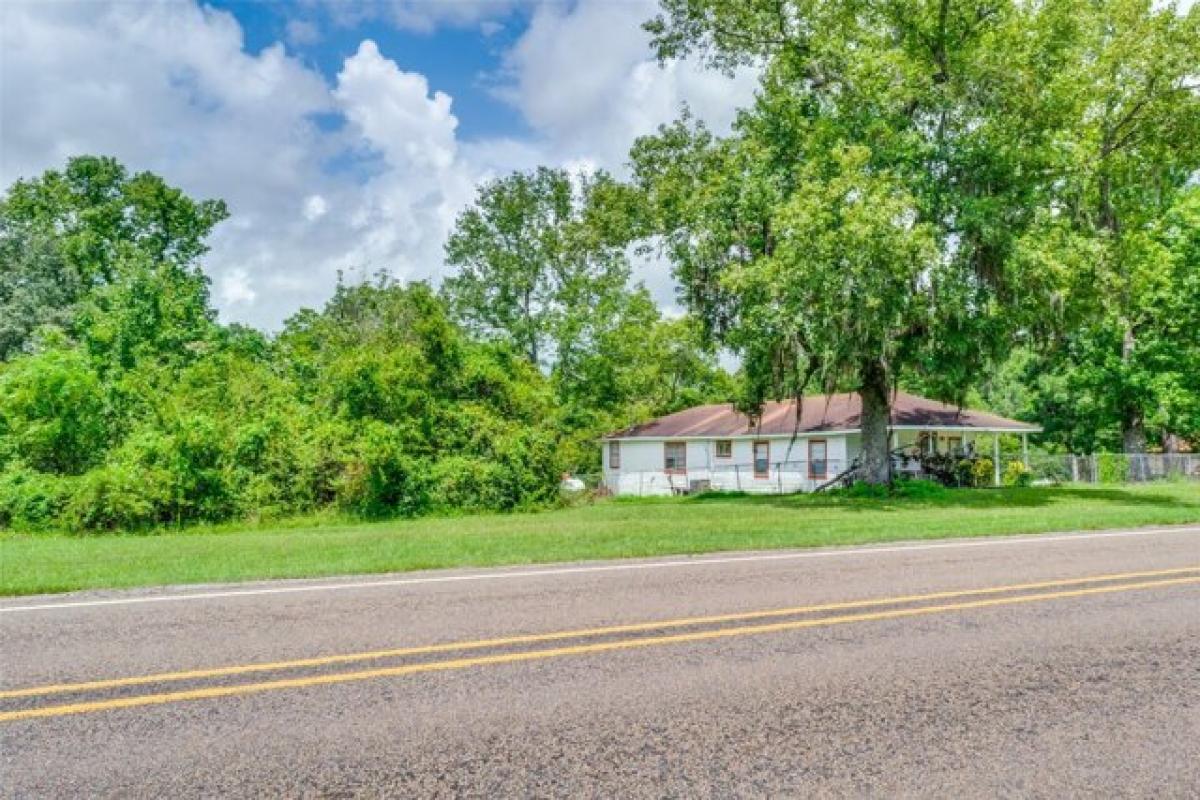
x=993 y=203
x=124 y=403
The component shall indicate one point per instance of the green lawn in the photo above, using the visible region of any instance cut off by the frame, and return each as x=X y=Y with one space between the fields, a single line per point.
x=33 y=563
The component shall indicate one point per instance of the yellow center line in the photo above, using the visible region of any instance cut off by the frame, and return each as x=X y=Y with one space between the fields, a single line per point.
x=558 y=652
x=536 y=638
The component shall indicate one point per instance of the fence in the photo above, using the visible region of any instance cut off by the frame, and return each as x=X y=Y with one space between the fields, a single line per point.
x=1114 y=467
x=788 y=477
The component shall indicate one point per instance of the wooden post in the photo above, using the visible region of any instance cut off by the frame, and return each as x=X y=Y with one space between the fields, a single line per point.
x=996 y=458
x=1025 y=449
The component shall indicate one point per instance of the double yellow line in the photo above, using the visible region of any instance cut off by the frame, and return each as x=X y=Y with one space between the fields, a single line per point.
x=581 y=649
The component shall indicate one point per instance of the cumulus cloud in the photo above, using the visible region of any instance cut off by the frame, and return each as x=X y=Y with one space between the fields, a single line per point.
x=585 y=78
x=362 y=171
x=170 y=88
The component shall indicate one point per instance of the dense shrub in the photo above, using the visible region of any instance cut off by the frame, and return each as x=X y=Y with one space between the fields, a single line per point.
x=1017 y=474
x=459 y=483
x=52 y=412
x=381 y=479
x=983 y=472
x=917 y=489
x=31 y=499
x=115 y=497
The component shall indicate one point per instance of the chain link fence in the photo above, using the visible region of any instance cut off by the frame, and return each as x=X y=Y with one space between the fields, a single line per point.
x=1114 y=467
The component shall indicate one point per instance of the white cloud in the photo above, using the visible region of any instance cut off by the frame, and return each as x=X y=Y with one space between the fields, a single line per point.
x=315 y=207
x=171 y=88
x=585 y=79
x=234 y=288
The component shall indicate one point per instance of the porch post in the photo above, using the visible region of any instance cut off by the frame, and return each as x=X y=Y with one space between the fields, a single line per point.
x=996 y=458
x=1025 y=449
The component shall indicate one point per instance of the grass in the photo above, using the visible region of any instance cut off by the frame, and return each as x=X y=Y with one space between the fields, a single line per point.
x=37 y=563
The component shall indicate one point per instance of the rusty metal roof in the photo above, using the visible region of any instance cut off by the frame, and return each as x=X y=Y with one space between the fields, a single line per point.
x=817 y=413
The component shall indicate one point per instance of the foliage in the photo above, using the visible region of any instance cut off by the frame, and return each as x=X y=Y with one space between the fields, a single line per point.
x=70 y=234
x=1111 y=467
x=542 y=267
x=52 y=412
x=920 y=186
x=1017 y=474
x=920 y=489
x=983 y=472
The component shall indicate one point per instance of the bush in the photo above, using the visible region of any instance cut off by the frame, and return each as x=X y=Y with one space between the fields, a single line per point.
x=983 y=472
x=115 y=497
x=1112 y=467
x=916 y=489
x=381 y=480
x=1017 y=474
x=52 y=412
x=31 y=499
x=466 y=484
x=870 y=491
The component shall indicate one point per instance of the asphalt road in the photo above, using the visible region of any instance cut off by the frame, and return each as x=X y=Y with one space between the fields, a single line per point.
x=1052 y=666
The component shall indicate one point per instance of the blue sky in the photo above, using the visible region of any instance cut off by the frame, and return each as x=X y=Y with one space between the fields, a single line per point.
x=345 y=136
x=464 y=61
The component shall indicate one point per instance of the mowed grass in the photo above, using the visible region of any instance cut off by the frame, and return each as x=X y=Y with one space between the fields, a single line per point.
x=37 y=563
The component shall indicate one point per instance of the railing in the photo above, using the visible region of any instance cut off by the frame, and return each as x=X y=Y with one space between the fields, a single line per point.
x=788 y=477
x=783 y=477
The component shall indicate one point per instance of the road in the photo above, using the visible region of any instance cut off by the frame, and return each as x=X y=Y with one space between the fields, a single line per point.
x=1052 y=666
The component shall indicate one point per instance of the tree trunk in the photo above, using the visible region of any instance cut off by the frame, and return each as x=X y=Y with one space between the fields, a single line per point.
x=876 y=420
x=1133 y=427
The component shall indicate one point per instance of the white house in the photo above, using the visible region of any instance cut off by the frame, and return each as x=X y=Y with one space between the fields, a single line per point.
x=716 y=447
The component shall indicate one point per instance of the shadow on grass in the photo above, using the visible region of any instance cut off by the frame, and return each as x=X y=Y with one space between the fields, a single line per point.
x=1032 y=497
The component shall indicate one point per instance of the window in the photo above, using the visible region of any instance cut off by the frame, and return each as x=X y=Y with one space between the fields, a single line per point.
x=724 y=448
x=954 y=444
x=818 y=465
x=675 y=457
x=614 y=455
x=762 y=459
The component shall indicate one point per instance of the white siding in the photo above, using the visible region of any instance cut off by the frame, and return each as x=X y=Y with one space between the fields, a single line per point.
x=642 y=473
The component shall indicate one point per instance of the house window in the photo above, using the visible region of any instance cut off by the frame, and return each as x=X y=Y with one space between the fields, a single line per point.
x=762 y=459
x=724 y=448
x=614 y=455
x=954 y=444
x=675 y=457
x=818 y=465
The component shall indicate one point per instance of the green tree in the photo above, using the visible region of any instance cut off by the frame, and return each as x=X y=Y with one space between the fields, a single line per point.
x=859 y=224
x=53 y=414
x=535 y=256
x=1132 y=146
x=36 y=288
x=78 y=243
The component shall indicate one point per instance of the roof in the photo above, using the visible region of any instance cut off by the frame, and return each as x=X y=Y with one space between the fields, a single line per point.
x=835 y=412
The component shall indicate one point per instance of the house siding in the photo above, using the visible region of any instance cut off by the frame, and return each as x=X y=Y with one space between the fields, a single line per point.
x=642 y=473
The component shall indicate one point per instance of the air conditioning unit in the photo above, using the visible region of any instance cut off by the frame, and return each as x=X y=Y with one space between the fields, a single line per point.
x=695 y=486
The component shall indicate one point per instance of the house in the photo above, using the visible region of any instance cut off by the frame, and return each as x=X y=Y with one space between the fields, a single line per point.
x=716 y=447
